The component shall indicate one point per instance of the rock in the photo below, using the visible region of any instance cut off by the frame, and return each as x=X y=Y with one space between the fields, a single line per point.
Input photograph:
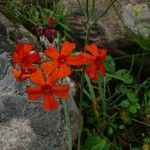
x=33 y=128
x=17 y=134
x=11 y=33
x=111 y=28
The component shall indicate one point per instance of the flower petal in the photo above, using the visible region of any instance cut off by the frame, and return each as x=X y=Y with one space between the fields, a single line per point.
x=33 y=92
x=67 y=48
x=34 y=57
x=37 y=78
x=49 y=67
x=92 y=72
x=74 y=60
x=49 y=102
x=18 y=75
x=102 y=69
x=61 y=91
x=86 y=58
x=16 y=58
x=53 y=77
x=23 y=49
x=103 y=53
x=52 y=52
x=64 y=70
x=93 y=49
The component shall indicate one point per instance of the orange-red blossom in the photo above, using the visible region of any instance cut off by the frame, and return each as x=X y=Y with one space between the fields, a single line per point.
x=23 y=58
x=61 y=60
x=46 y=88
x=95 y=60
x=58 y=67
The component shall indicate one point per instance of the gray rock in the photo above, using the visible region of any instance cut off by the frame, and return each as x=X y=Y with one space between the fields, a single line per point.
x=111 y=29
x=15 y=135
x=27 y=124
x=11 y=33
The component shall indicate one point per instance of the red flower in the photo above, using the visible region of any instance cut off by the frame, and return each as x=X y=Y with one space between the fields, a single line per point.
x=61 y=60
x=24 y=57
x=95 y=59
x=50 y=32
x=51 y=22
x=47 y=89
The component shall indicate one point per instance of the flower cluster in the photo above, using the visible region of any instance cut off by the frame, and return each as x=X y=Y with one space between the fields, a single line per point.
x=50 y=32
x=45 y=74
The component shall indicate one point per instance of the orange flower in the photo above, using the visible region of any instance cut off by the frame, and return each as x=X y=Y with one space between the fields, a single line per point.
x=61 y=60
x=47 y=89
x=95 y=61
x=24 y=57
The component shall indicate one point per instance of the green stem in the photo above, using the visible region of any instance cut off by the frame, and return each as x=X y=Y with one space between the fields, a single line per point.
x=93 y=8
x=68 y=124
x=80 y=109
x=87 y=8
x=84 y=13
x=128 y=56
x=141 y=122
x=105 y=11
x=141 y=66
x=87 y=33
x=102 y=95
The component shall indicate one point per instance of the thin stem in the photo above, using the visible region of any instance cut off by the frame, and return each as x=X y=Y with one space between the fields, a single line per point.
x=104 y=96
x=141 y=122
x=84 y=13
x=87 y=8
x=68 y=124
x=105 y=11
x=141 y=65
x=101 y=93
x=87 y=33
x=80 y=109
x=93 y=8
x=141 y=85
x=132 y=63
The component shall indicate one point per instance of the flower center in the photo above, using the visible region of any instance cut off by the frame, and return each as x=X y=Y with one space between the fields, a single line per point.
x=25 y=61
x=98 y=61
x=47 y=89
x=62 y=59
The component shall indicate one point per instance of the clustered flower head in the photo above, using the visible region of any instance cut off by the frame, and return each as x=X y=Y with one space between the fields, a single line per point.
x=49 y=32
x=45 y=73
x=137 y=9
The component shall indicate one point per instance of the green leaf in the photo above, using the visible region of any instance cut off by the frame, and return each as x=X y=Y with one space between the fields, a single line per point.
x=109 y=64
x=103 y=145
x=133 y=109
x=94 y=142
x=123 y=75
x=131 y=95
x=91 y=90
x=121 y=89
x=142 y=41
x=124 y=104
x=122 y=126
